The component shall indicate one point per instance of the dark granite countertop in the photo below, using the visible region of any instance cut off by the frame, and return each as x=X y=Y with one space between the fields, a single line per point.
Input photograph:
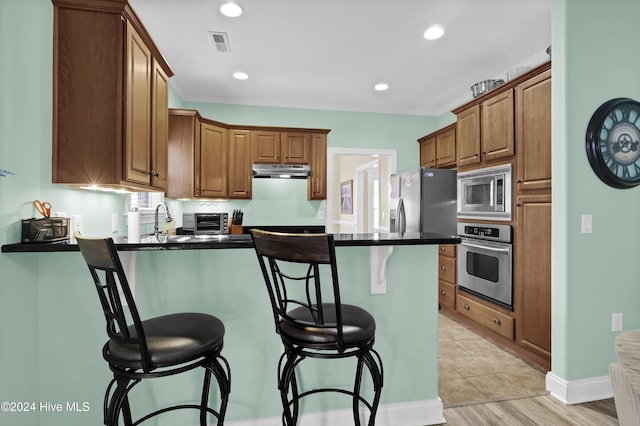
x=211 y=242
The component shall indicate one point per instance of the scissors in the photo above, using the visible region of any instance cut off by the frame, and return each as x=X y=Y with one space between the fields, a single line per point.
x=44 y=208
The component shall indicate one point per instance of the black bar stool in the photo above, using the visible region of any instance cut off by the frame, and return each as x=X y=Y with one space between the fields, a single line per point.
x=156 y=347
x=310 y=327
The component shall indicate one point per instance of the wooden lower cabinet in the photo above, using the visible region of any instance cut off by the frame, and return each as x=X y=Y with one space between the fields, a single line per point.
x=533 y=273
x=447 y=276
x=491 y=318
x=446 y=295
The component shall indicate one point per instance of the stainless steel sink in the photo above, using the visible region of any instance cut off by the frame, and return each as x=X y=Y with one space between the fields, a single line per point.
x=207 y=238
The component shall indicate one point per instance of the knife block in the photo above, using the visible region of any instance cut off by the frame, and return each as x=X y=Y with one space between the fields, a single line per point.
x=236 y=229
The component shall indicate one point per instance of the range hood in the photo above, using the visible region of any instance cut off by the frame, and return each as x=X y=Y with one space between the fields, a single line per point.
x=280 y=171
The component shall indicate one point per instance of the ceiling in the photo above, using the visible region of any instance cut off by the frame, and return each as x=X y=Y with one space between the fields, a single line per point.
x=328 y=54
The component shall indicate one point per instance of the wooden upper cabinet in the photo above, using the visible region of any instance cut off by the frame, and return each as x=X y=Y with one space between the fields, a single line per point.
x=317 y=182
x=485 y=131
x=281 y=147
x=438 y=149
x=138 y=109
x=468 y=137
x=446 y=146
x=212 y=158
x=295 y=147
x=266 y=146
x=184 y=139
x=159 y=128
x=240 y=173
x=427 y=151
x=533 y=136
x=497 y=138
x=110 y=98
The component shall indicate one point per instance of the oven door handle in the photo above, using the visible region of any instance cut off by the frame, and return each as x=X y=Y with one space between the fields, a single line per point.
x=500 y=250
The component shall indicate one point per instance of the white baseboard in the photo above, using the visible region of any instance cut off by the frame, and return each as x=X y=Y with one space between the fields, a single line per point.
x=579 y=391
x=415 y=413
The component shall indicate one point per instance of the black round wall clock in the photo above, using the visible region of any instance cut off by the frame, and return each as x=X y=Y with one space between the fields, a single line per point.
x=613 y=143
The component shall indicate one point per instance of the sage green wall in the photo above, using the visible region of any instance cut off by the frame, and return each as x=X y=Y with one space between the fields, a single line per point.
x=51 y=330
x=595 y=58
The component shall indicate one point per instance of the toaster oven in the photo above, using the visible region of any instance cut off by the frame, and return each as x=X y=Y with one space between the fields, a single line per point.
x=206 y=223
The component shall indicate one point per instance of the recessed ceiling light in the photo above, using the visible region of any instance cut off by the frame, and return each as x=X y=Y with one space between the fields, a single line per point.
x=231 y=9
x=434 y=32
x=239 y=75
x=381 y=87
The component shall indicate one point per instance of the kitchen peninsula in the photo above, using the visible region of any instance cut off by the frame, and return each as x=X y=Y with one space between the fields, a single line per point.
x=223 y=278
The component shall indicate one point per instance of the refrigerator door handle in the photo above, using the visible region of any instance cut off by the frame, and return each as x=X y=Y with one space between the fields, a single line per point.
x=401 y=219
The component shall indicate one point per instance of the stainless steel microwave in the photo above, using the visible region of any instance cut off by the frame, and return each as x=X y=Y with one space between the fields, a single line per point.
x=206 y=223
x=485 y=193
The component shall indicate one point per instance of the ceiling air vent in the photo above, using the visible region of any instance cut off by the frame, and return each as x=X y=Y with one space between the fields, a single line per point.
x=220 y=41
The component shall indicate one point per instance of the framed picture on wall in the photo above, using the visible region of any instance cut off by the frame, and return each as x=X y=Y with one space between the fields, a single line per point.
x=346 y=197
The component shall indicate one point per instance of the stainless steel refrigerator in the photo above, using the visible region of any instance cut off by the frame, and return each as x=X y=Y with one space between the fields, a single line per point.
x=423 y=200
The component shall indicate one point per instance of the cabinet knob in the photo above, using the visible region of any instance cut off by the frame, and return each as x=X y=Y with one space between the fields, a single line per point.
x=466 y=307
x=497 y=321
x=519 y=181
x=444 y=268
x=442 y=249
x=443 y=292
x=518 y=205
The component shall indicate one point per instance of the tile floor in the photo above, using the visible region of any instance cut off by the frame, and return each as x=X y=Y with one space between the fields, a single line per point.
x=473 y=370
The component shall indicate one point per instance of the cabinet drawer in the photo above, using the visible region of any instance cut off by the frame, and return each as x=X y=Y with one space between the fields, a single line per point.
x=447 y=269
x=491 y=318
x=448 y=250
x=447 y=294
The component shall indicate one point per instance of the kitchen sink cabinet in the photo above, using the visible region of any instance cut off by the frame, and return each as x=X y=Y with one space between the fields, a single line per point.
x=438 y=149
x=533 y=136
x=317 y=182
x=533 y=273
x=110 y=115
x=447 y=276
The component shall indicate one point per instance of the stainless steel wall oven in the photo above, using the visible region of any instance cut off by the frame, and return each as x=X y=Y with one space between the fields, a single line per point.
x=485 y=262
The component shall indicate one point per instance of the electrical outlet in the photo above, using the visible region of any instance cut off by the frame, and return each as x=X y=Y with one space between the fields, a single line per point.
x=320 y=214
x=616 y=322
x=114 y=222
x=77 y=223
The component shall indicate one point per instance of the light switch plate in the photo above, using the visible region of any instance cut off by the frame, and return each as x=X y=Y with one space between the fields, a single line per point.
x=587 y=224
x=77 y=223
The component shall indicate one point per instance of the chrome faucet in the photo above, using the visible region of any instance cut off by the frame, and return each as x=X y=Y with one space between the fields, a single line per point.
x=167 y=218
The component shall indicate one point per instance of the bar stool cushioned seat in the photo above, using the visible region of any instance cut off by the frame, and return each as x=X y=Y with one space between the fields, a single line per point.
x=171 y=339
x=157 y=347
x=312 y=324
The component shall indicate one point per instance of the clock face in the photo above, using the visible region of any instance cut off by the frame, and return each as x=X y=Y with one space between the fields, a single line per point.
x=613 y=143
